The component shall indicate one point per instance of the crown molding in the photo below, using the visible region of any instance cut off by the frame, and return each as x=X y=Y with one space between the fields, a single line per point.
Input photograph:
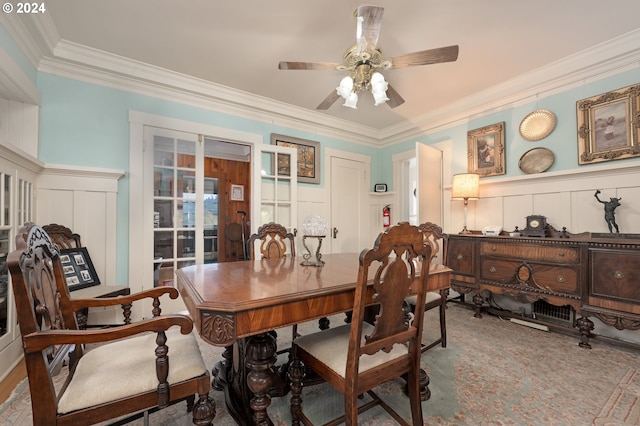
x=604 y=60
x=38 y=38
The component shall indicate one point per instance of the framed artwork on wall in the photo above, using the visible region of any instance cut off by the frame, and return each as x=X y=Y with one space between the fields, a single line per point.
x=77 y=268
x=608 y=126
x=308 y=157
x=486 y=150
x=237 y=193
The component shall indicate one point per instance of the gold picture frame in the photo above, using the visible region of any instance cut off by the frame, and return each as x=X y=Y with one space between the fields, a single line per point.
x=308 y=157
x=609 y=126
x=486 y=150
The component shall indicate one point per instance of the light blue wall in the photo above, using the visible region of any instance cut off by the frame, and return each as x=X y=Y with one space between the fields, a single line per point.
x=563 y=141
x=84 y=124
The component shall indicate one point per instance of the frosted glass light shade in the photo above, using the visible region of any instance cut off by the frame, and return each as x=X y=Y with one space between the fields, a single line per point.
x=351 y=101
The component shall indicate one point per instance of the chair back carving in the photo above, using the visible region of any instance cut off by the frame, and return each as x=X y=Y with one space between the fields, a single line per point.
x=433 y=236
x=42 y=302
x=62 y=236
x=275 y=242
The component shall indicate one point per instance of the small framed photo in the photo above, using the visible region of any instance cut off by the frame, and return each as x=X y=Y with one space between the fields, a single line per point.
x=607 y=126
x=77 y=268
x=237 y=192
x=380 y=187
x=486 y=150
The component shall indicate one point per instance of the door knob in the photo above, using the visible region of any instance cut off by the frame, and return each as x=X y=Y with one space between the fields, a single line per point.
x=335 y=232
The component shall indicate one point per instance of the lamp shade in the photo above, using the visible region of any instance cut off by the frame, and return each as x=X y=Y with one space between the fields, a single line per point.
x=466 y=186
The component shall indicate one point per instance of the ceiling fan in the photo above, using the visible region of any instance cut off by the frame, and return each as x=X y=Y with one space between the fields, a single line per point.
x=365 y=60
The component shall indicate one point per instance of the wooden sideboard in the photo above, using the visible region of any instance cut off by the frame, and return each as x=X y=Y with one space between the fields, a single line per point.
x=596 y=276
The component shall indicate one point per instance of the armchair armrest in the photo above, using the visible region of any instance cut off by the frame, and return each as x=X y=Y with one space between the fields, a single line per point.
x=153 y=293
x=37 y=341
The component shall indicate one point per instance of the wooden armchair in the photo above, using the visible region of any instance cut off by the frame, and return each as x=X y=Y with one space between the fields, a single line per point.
x=135 y=368
x=355 y=358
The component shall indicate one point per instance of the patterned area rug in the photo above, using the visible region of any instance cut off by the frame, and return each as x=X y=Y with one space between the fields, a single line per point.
x=492 y=372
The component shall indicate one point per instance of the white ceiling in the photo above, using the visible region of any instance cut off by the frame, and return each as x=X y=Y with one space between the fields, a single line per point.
x=239 y=43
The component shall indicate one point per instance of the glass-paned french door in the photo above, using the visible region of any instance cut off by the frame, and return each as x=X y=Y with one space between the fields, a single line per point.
x=277 y=183
x=188 y=198
x=177 y=204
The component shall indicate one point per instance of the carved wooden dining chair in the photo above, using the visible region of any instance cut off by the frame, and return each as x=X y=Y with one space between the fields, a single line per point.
x=65 y=238
x=355 y=358
x=132 y=369
x=62 y=236
x=273 y=241
x=433 y=236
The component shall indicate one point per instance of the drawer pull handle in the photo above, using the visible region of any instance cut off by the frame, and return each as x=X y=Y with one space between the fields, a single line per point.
x=560 y=278
x=493 y=248
x=561 y=254
x=618 y=275
x=459 y=257
x=492 y=269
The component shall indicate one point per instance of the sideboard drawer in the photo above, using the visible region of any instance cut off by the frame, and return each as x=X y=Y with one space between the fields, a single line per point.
x=460 y=256
x=547 y=278
x=615 y=279
x=564 y=253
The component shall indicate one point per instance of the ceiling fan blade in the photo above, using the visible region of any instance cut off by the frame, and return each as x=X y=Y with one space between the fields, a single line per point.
x=322 y=66
x=329 y=100
x=369 y=20
x=395 y=100
x=426 y=57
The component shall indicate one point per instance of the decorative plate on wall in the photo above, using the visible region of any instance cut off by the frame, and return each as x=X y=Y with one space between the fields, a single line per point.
x=537 y=125
x=536 y=160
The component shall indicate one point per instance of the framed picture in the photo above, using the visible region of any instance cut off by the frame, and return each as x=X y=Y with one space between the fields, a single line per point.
x=486 y=150
x=308 y=157
x=608 y=127
x=77 y=268
x=237 y=192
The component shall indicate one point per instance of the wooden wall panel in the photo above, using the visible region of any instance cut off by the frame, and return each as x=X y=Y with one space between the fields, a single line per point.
x=229 y=173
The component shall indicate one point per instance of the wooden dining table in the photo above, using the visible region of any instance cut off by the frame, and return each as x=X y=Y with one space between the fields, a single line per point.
x=236 y=305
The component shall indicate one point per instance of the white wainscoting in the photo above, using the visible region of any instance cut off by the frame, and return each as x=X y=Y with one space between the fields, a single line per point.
x=565 y=198
x=84 y=200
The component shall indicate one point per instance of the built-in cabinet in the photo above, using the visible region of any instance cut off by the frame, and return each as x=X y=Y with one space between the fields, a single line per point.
x=597 y=276
x=17 y=177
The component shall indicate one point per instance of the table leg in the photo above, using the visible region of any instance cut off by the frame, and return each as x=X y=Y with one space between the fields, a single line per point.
x=260 y=357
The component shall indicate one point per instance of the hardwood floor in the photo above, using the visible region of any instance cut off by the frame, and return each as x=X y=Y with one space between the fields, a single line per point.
x=11 y=381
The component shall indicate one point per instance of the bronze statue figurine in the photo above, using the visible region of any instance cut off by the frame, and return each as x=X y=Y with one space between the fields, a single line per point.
x=609 y=211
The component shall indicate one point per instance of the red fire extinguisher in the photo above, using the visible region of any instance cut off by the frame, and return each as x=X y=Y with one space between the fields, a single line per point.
x=386 y=216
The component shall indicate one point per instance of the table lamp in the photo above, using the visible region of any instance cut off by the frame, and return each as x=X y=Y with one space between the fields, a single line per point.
x=466 y=186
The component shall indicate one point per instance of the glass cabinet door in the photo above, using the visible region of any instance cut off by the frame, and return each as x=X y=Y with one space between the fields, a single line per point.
x=5 y=229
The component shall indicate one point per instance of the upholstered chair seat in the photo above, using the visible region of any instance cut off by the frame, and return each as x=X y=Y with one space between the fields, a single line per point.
x=127 y=367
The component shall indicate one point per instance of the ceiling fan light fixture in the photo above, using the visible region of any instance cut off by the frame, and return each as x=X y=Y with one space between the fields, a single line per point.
x=345 y=87
x=379 y=88
x=351 y=101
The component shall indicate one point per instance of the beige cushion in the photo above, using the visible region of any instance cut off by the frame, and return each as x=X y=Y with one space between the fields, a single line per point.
x=429 y=297
x=127 y=367
x=330 y=346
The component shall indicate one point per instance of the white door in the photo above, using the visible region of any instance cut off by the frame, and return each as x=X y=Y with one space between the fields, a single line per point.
x=349 y=221
x=275 y=187
x=429 y=184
